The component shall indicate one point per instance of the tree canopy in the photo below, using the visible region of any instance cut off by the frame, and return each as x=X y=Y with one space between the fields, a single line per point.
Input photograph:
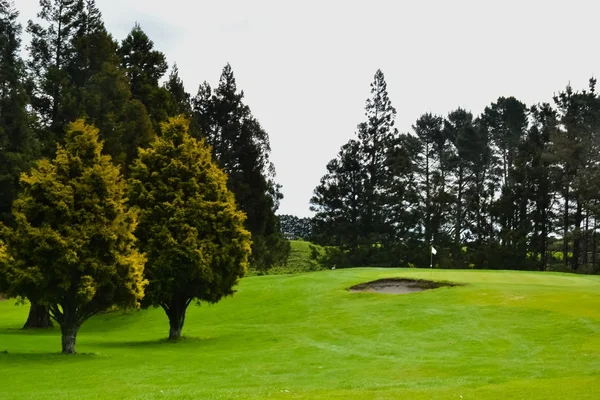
x=73 y=245
x=190 y=228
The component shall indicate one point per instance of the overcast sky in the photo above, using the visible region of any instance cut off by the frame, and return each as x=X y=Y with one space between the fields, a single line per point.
x=305 y=66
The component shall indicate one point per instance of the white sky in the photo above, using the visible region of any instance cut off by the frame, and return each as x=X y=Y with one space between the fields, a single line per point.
x=305 y=66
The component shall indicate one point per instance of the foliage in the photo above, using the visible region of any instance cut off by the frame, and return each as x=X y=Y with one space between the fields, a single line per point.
x=190 y=228
x=18 y=145
x=144 y=67
x=296 y=228
x=501 y=184
x=73 y=246
x=241 y=148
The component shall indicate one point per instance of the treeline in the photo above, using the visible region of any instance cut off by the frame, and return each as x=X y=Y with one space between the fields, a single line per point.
x=75 y=69
x=517 y=187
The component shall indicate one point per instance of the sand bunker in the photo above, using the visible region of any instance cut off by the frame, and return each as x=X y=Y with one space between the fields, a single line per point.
x=398 y=286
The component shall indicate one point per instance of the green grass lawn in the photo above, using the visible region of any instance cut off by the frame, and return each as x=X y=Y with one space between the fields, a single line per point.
x=503 y=335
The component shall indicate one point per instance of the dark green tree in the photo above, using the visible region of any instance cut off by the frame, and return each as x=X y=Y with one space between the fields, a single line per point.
x=241 y=147
x=180 y=100
x=338 y=201
x=18 y=146
x=144 y=67
x=376 y=136
x=50 y=51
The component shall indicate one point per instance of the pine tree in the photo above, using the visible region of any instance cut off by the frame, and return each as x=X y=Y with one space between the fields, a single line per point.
x=460 y=131
x=403 y=216
x=428 y=128
x=50 y=51
x=540 y=164
x=144 y=67
x=190 y=228
x=505 y=122
x=376 y=136
x=180 y=100
x=241 y=148
x=18 y=146
x=339 y=200
x=72 y=248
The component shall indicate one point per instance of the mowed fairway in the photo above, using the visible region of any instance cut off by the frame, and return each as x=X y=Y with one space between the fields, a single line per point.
x=504 y=335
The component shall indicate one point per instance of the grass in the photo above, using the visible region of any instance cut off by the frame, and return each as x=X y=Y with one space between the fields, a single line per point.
x=503 y=335
x=299 y=259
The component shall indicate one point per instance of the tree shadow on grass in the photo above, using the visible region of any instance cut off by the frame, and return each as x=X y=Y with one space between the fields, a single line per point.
x=187 y=341
x=30 y=332
x=7 y=357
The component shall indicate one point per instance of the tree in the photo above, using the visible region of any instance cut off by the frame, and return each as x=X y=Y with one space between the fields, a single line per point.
x=144 y=67
x=376 y=137
x=50 y=50
x=190 y=228
x=73 y=247
x=295 y=227
x=338 y=200
x=18 y=145
x=180 y=101
x=428 y=129
x=241 y=148
x=401 y=208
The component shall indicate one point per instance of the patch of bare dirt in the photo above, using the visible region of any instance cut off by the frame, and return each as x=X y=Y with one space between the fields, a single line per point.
x=399 y=286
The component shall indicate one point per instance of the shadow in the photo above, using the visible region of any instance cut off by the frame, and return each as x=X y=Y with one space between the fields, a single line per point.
x=6 y=357
x=30 y=332
x=164 y=343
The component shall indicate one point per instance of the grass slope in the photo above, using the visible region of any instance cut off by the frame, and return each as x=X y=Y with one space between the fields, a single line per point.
x=504 y=335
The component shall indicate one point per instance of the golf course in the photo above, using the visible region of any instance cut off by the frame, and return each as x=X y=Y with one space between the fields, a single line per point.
x=497 y=335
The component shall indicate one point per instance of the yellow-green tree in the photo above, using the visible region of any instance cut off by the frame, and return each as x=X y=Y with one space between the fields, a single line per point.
x=189 y=226
x=73 y=244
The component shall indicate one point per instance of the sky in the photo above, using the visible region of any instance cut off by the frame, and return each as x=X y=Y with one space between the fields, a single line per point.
x=305 y=66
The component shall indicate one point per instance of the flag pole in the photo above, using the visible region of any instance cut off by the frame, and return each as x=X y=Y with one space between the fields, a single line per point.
x=431 y=259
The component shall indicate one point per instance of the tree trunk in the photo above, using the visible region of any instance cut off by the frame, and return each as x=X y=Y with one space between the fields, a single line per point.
x=69 y=336
x=544 y=241
x=586 y=239
x=39 y=317
x=176 y=313
x=566 y=228
x=577 y=235
x=594 y=244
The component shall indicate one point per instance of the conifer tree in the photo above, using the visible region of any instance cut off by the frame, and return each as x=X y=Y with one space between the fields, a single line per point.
x=339 y=200
x=73 y=248
x=144 y=67
x=51 y=49
x=18 y=145
x=190 y=228
x=376 y=137
x=241 y=148
x=180 y=100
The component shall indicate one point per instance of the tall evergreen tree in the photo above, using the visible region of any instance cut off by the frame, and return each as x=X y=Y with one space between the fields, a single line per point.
x=376 y=136
x=428 y=129
x=241 y=147
x=50 y=52
x=180 y=100
x=18 y=146
x=144 y=67
x=339 y=200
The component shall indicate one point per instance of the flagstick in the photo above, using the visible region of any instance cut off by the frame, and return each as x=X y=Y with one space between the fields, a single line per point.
x=431 y=260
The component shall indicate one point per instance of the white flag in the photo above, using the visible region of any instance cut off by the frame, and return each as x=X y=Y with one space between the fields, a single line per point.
x=433 y=250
